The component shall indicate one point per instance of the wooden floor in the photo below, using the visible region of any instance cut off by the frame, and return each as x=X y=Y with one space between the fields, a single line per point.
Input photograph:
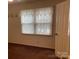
x=17 y=51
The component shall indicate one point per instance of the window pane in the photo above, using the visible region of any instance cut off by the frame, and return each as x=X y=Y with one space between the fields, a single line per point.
x=27 y=16
x=44 y=15
x=27 y=28
x=43 y=29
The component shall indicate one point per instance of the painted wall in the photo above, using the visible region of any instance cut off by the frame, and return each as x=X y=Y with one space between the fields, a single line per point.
x=15 y=35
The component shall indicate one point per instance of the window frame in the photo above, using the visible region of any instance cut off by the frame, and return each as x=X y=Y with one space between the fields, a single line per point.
x=51 y=24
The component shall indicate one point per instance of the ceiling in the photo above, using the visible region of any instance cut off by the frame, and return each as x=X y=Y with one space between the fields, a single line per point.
x=16 y=1
x=20 y=1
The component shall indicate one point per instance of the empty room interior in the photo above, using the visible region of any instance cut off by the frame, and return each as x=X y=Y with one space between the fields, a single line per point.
x=38 y=29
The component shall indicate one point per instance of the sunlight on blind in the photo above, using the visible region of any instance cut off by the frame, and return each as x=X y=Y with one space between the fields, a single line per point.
x=27 y=28
x=27 y=16
x=44 y=15
x=43 y=20
x=27 y=19
x=43 y=29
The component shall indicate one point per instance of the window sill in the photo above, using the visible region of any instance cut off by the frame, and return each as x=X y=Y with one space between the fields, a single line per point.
x=37 y=35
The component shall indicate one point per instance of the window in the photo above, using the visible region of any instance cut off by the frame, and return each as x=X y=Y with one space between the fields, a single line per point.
x=37 y=21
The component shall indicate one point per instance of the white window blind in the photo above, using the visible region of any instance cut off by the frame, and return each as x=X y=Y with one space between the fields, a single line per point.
x=27 y=16
x=27 y=19
x=37 y=21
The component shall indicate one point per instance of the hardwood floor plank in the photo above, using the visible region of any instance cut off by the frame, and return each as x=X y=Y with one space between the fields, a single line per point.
x=17 y=51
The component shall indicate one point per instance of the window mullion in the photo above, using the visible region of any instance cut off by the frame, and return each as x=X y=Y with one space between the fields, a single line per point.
x=34 y=21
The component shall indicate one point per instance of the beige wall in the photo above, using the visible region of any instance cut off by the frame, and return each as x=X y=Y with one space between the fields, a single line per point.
x=15 y=35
